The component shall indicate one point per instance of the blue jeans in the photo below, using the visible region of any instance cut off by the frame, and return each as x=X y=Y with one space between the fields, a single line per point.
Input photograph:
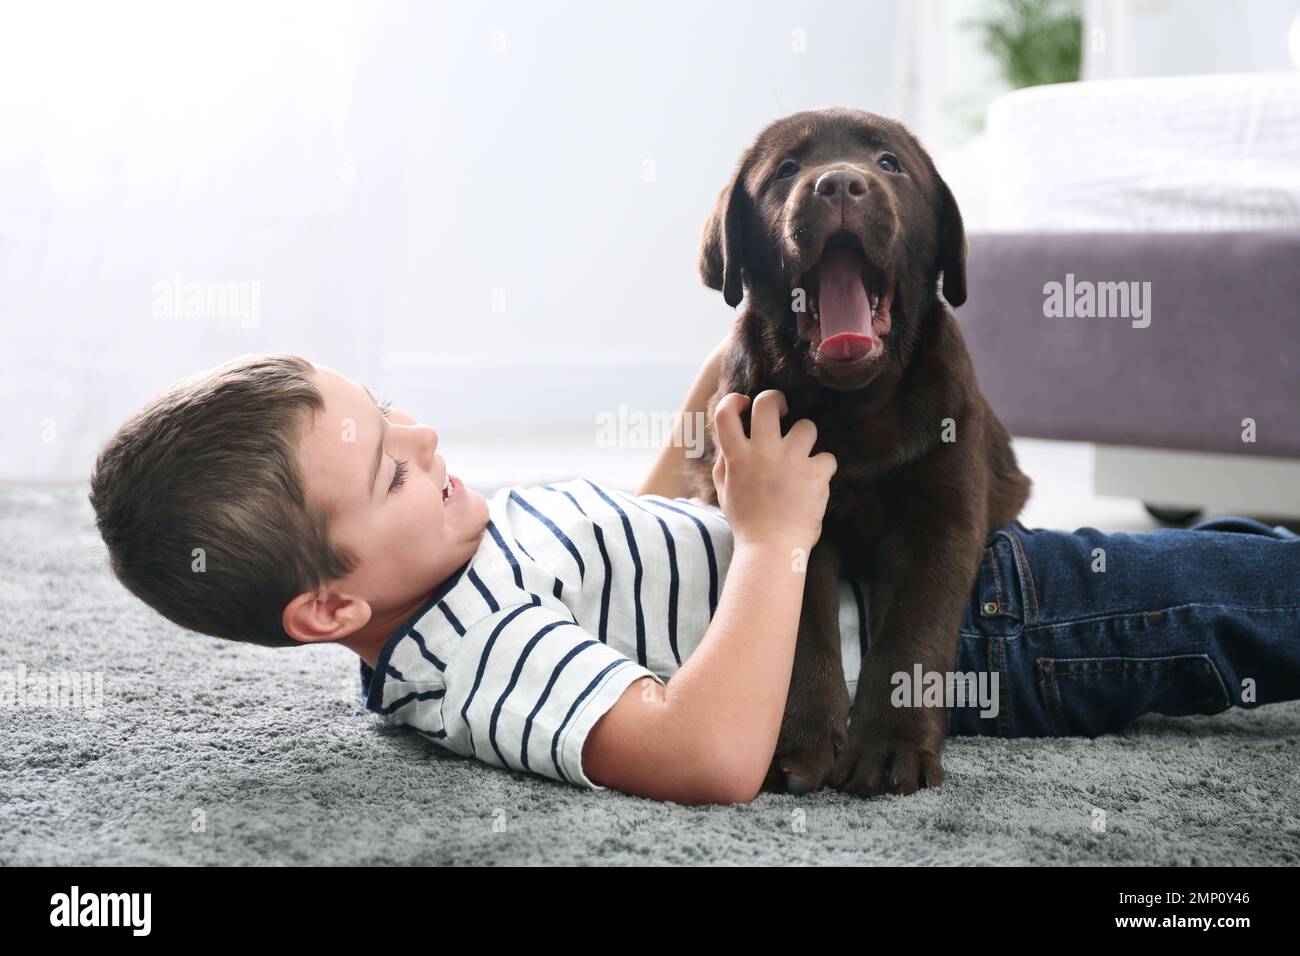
x=1088 y=631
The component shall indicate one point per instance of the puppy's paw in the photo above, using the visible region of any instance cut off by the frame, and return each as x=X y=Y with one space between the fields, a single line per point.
x=872 y=764
x=811 y=736
x=801 y=770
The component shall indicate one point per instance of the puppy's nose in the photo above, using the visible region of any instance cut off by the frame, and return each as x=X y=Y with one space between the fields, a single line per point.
x=841 y=185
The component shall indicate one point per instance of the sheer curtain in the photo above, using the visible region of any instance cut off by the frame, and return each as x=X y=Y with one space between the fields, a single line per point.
x=149 y=149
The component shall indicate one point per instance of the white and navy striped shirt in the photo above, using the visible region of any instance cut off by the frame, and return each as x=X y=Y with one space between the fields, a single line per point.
x=575 y=592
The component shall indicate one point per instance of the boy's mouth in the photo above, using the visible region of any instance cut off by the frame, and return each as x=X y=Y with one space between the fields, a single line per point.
x=450 y=485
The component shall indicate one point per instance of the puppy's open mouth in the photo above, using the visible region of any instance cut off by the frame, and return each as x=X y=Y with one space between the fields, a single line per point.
x=847 y=302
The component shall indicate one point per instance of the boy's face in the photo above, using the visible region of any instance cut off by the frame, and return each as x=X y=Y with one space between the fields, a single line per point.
x=407 y=538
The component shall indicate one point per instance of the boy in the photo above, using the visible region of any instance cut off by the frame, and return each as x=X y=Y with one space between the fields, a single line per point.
x=643 y=643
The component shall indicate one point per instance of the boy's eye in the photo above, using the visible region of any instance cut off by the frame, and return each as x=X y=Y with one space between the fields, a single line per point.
x=399 y=475
x=384 y=406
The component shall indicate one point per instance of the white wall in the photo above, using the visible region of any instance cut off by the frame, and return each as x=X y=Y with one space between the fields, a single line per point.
x=1177 y=37
x=379 y=176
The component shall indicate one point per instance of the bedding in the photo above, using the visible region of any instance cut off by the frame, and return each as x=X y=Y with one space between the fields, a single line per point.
x=1185 y=153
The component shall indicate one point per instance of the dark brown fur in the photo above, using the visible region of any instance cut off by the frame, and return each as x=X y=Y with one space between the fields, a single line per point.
x=908 y=511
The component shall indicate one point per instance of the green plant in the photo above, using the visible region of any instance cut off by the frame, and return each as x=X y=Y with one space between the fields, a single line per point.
x=1034 y=41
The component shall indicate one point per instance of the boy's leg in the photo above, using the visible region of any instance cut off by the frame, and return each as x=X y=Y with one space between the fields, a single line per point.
x=1086 y=631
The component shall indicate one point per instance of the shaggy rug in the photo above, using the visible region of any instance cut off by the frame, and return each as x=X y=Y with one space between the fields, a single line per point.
x=203 y=752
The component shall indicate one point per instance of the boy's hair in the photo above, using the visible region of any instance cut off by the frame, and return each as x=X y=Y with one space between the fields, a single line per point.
x=212 y=463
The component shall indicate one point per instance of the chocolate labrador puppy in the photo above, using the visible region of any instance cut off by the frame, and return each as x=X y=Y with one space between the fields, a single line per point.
x=838 y=228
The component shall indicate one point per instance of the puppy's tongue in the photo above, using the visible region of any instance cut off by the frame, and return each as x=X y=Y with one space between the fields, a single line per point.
x=842 y=301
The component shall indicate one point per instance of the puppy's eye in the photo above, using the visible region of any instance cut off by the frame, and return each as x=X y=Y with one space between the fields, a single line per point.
x=888 y=162
x=788 y=169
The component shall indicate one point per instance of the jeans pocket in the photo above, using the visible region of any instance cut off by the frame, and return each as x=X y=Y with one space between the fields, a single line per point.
x=1089 y=696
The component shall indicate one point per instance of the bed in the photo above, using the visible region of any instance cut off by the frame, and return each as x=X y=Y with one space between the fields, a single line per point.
x=1186 y=189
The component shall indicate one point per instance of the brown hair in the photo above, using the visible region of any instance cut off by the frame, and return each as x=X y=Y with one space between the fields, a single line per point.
x=212 y=464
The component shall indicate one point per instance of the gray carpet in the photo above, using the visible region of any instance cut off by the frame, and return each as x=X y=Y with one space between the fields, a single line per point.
x=210 y=753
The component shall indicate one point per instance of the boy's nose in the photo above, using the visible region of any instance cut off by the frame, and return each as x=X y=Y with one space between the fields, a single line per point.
x=429 y=448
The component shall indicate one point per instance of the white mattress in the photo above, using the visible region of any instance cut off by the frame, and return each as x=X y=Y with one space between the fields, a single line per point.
x=1215 y=152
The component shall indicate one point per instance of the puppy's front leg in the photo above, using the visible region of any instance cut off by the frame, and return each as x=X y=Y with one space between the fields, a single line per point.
x=815 y=724
x=895 y=749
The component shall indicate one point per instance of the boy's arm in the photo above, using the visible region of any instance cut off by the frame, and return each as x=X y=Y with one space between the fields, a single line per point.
x=712 y=736
x=639 y=748
x=668 y=476
x=709 y=736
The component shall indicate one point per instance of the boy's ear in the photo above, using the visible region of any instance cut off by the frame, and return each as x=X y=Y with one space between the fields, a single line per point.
x=311 y=618
x=723 y=240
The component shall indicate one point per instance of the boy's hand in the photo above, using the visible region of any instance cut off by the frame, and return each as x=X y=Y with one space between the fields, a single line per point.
x=770 y=488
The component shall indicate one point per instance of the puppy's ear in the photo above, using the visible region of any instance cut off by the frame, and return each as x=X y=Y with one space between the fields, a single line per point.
x=721 y=259
x=952 y=246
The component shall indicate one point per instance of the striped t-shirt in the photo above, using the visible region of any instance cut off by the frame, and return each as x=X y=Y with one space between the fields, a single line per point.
x=575 y=592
